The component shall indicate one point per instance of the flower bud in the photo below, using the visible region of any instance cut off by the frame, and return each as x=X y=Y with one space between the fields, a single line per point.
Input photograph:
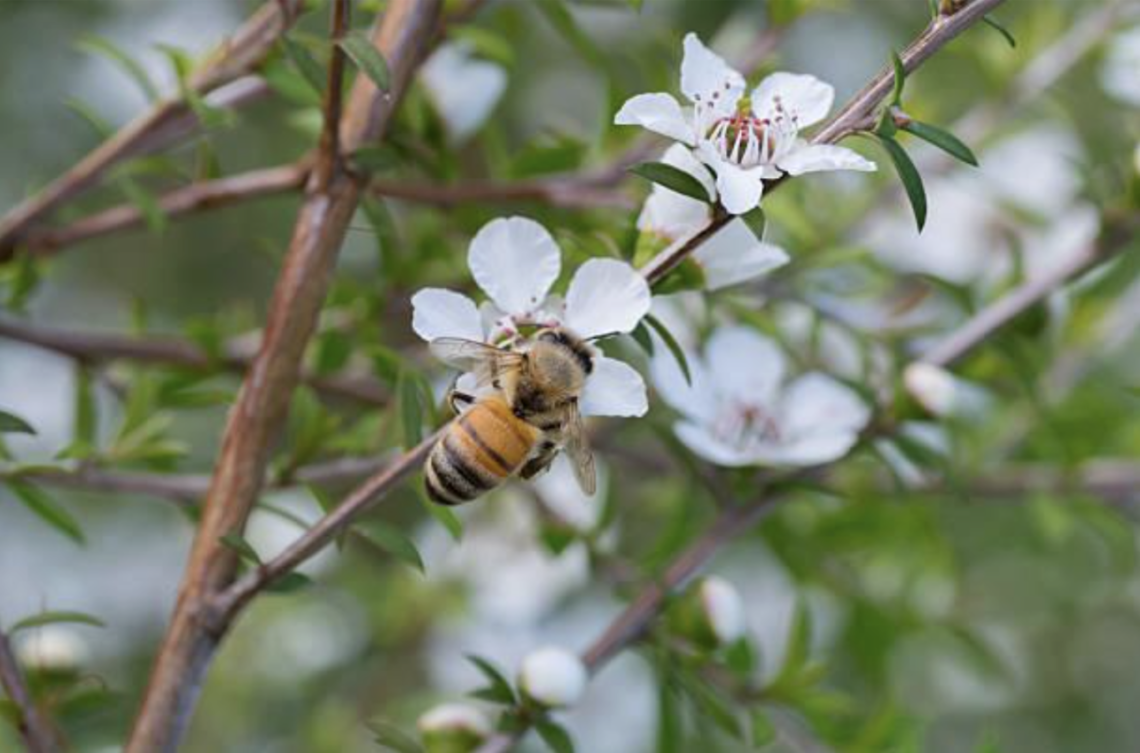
x=711 y=614
x=453 y=728
x=932 y=386
x=553 y=677
x=53 y=649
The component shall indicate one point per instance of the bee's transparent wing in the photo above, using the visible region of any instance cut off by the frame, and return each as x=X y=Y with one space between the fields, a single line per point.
x=485 y=361
x=578 y=450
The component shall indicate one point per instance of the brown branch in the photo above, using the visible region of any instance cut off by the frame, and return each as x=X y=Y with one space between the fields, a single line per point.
x=167 y=121
x=188 y=488
x=986 y=322
x=209 y=194
x=255 y=420
x=34 y=729
x=96 y=348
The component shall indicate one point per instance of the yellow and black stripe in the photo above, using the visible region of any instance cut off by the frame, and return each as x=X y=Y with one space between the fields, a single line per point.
x=482 y=447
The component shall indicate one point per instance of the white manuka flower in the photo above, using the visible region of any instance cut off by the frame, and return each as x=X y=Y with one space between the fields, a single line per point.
x=554 y=677
x=744 y=139
x=516 y=261
x=733 y=255
x=463 y=88
x=738 y=410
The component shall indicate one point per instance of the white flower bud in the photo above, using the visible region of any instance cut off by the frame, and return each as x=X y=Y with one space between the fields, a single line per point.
x=53 y=648
x=453 y=728
x=553 y=677
x=723 y=609
x=1136 y=159
x=932 y=386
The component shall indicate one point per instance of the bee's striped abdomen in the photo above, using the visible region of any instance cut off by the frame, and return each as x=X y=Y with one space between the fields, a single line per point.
x=480 y=449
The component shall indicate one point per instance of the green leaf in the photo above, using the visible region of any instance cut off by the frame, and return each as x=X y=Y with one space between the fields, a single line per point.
x=47 y=509
x=150 y=208
x=393 y=738
x=560 y=17
x=673 y=178
x=305 y=64
x=909 y=175
x=1009 y=38
x=24 y=280
x=290 y=583
x=99 y=46
x=942 y=139
x=756 y=221
x=445 y=515
x=641 y=337
x=555 y=736
x=411 y=410
x=900 y=79
x=100 y=126
x=367 y=58
x=671 y=343
x=498 y=689
x=13 y=424
x=376 y=159
x=85 y=418
x=394 y=542
x=55 y=618
x=244 y=549
x=763 y=730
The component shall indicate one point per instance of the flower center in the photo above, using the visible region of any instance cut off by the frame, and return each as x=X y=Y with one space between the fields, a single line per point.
x=748 y=141
x=744 y=425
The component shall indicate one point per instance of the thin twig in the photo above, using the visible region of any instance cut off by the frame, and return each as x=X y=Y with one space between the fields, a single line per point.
x=34 y=729
x=166 y=121
x=982 y=325
x=255 y=420
x=187 y=489
x=97 y=348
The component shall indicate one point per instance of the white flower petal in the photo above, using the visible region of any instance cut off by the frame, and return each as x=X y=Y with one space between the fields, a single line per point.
x=614 y=388
x=740 y=190
x=821 y=419
x=437 y=312
x=734 y=255
x=463 y=89
x=697 y=400
x=701 y=441
x=724 y=609
x=515 y=261
x=801 y=95
x=606 y=296
x=809 y=450
x=814 y=158
x=745 y=365
x=707 y=80
x=672 y=215
x=658 y=112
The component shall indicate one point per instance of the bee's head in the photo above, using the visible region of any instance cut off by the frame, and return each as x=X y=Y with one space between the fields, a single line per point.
x=561 y=360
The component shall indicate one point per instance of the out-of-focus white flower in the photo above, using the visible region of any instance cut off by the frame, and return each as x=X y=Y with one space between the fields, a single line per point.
x=723 y=609
x=464 y=89
x=1120 y=73
x=453 y=728
x=516 y=261
x=54 y=649
x=739 y=411
x=553 y=677
x=744 y=139
x=731 y=256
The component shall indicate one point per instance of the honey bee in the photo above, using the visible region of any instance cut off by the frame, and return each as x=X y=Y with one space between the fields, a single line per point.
x=519 y=426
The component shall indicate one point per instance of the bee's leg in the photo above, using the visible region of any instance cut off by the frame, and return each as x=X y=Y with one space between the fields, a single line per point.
x=459 y=400
x=547 y=451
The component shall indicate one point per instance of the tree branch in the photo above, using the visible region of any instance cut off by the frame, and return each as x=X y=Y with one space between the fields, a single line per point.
x=167 y=121
x=92 y=347
x=255 y=420
x=34 y=729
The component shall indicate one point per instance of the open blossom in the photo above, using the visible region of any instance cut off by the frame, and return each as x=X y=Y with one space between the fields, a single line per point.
x=740 y=411
x=733 y=255
x=515 y=261
x=745 y=139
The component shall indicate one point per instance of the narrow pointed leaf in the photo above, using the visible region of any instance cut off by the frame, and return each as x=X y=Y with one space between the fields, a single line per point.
x=54 y=618
x=243 y=548
x=367 y=58
x=394 y=542
x=305 y=64
x=393 y=738
x=944 y=140
x=910 y=177
x=673 y=178
x=12 y=424
x=555 y=736
x=498 y=689
x=900 y=78
x=1009 y=38
x=107 y=49
x=47 y=509
x=671 y=343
